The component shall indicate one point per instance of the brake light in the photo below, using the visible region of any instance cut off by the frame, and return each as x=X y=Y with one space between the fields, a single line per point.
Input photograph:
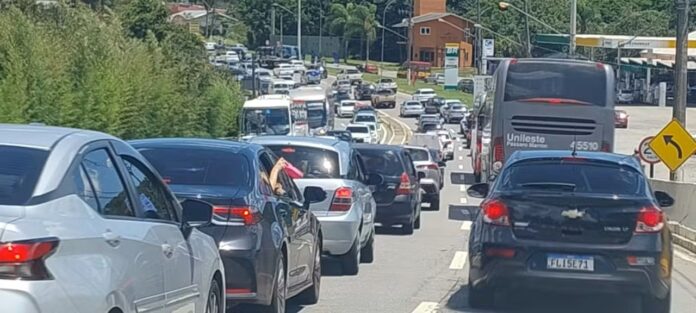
x=495 y=212
x=650 y=220
x=513 y=61
x=498 y=152
x=405 y=185
x=343 y=199
x=505 y=253
x=431 y=166
x=24 y=260
x=236 y=214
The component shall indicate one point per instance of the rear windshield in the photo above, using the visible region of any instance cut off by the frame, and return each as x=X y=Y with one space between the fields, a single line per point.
x=426 y=92
x=201 y=167
x=457 y=107
x=352 y=71
x=573 y=176
x=348 y=104
x=413 y=104
x=384 y=162
x=427 y=127
x=419 y=155
x=356 y=129
x=313 y=162
x=19 y=171
x=365 y=118
x=578 y=82
x=386 y=81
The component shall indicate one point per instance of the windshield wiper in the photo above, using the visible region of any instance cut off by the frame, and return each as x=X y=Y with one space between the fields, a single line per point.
x=555 y=101
x=550 y=186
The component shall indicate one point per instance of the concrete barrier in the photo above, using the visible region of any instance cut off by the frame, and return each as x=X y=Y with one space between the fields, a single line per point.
x=684 y=209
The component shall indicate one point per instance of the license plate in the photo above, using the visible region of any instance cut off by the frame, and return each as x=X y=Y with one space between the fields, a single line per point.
x=570 y=262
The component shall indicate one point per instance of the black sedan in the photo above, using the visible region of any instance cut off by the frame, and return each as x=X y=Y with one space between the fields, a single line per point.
x=583 y=223
x=270 y=243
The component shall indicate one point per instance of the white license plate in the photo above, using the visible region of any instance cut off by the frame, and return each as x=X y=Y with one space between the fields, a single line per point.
x=570 y=262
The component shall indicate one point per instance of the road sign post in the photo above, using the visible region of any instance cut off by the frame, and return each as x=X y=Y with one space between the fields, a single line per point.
x=648 y=155
x=673 y=145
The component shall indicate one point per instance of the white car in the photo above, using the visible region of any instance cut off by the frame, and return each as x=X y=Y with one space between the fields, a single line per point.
x=367 y=118
x=387 y=83
x=232 y=57
x=362 y=133
x=423 y=94
x=351 y=74
x=446 y=138
x=210 y=46
x=346 y=108
x=284 y=69
x=89 y=226
x=298 y=65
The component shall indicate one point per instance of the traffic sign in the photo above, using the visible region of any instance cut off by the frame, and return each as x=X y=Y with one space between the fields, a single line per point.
x=646 y=153
x=673 y=145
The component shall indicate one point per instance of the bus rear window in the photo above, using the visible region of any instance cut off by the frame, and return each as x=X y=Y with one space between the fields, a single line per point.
x=578 y=83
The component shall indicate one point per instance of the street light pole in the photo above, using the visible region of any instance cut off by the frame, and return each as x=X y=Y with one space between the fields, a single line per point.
x=384 y=21
x=573 y=25
x=479 y=40
x=299 y=30
x=680 y=72
x=526 y=26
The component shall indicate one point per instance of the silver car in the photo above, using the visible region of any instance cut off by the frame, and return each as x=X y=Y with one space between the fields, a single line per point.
x=431 y=184
x=88 y=226
x=347 y=216
x=411 y=108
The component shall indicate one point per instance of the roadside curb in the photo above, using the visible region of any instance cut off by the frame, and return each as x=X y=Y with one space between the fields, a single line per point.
x=683 y=236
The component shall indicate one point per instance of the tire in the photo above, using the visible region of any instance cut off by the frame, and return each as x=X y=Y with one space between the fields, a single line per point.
x=367 y=253
x=280 y=291
x=480 y=298
x=407 y=229
x=350 y=262
x=656 y=305
x=417 y=223
x=468 y=144
x=311 y=294
x=214 y=303
x=435 y=203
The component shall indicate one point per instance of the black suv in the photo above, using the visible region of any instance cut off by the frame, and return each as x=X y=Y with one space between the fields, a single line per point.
x=398 y=198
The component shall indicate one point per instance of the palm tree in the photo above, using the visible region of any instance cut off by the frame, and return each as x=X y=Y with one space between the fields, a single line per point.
x=351 y=20
x=365 y=15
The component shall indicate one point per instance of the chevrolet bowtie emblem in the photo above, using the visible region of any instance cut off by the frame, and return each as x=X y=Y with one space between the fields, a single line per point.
x=573 y=214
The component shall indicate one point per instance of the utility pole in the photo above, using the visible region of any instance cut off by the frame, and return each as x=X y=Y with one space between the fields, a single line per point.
x=573 y=25
x=384 y=21
x=299 y=30
x=410 y=43
x=273 y=18
x=281 y=30
x=321 y=28
x=479 y=40
x=526 y=26
x=680 y=84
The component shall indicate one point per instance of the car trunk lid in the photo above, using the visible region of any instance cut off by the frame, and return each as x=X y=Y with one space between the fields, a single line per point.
x=330 y=185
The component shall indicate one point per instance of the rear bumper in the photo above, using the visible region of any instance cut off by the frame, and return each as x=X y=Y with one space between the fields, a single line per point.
x=512 y=274
x=413 y=112
x=397 y=212
x=430 y=186
x=242 y=276
x=45 y=297
x=339 y=232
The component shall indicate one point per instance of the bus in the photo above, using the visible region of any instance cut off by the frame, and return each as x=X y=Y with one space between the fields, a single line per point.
x=319 y=113
x=542 y=104
x=273 y=115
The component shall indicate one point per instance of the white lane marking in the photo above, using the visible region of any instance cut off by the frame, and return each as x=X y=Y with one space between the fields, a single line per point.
x=461 y=166
x=426 y=307
x=462 y=187
x=461 y=157
x=685 y=255
x=463 y=200
x=466 y=225
x=459 y=260
x=461 y=148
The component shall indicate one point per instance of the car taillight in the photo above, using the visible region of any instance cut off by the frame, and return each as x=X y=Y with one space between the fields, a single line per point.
x=498 y=152
x=236 y=214
x=24 y=260
x=504 y=253
x=495 y=212
x=650 y=220
x=431 y=166
x=343 y=199
x=404 y=185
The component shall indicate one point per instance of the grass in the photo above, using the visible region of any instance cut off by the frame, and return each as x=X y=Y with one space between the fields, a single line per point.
x=404 y=87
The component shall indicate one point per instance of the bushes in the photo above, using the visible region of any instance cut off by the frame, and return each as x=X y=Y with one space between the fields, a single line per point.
x=72 y=67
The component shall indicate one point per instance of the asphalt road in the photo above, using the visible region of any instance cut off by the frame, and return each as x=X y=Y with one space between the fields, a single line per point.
x=427 y=272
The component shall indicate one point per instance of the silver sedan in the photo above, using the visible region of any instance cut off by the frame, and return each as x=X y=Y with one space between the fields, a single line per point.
x=411 y=108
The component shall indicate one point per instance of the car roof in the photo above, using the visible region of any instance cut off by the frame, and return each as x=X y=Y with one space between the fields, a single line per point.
x=367 y=146
x=199 y=143
x=45 y=137
x=615 y=158
x=318 y=142
x=426 y=89
x=453 y=100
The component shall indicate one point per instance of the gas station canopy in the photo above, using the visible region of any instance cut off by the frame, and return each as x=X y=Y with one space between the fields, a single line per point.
x=614 y=41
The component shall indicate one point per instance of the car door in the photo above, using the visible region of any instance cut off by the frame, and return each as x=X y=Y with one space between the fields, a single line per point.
x=303 y=236
x=365 y=195
x=130 y=246
x=156 y=205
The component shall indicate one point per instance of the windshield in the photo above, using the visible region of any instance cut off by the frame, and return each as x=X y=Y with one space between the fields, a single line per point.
x=413 y=104
x=274 y=121
x=419 y=154
x=577 y=83
x=201 y=167
x=19 y=172
x=383 y=162
x=313 y=162
x=574 y=175
x=357 y=129
x=457 y=107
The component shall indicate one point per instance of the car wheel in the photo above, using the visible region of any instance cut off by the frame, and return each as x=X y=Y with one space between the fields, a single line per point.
x=481 y=298
x=214 y=298
x=435 y=203
x=407 y=228
x=311 y=294
x=656 y=305
x=367 y=253
x=280 y=290
x=417 y=224
x=350 y=261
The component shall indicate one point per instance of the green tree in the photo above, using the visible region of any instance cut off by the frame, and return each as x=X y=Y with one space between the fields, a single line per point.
x=142 y=16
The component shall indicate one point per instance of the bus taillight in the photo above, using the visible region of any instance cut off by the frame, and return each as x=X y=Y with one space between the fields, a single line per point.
x=498 y=153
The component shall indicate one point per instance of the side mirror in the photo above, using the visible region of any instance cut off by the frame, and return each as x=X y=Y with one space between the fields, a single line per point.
x=374 y=179
x=195 y=213
x=478 y=190
x=664 y=199
x=421 y=175
x=314 y=194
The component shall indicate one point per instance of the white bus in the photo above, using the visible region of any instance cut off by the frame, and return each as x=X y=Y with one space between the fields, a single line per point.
x=273 y=115
x=319 y=114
